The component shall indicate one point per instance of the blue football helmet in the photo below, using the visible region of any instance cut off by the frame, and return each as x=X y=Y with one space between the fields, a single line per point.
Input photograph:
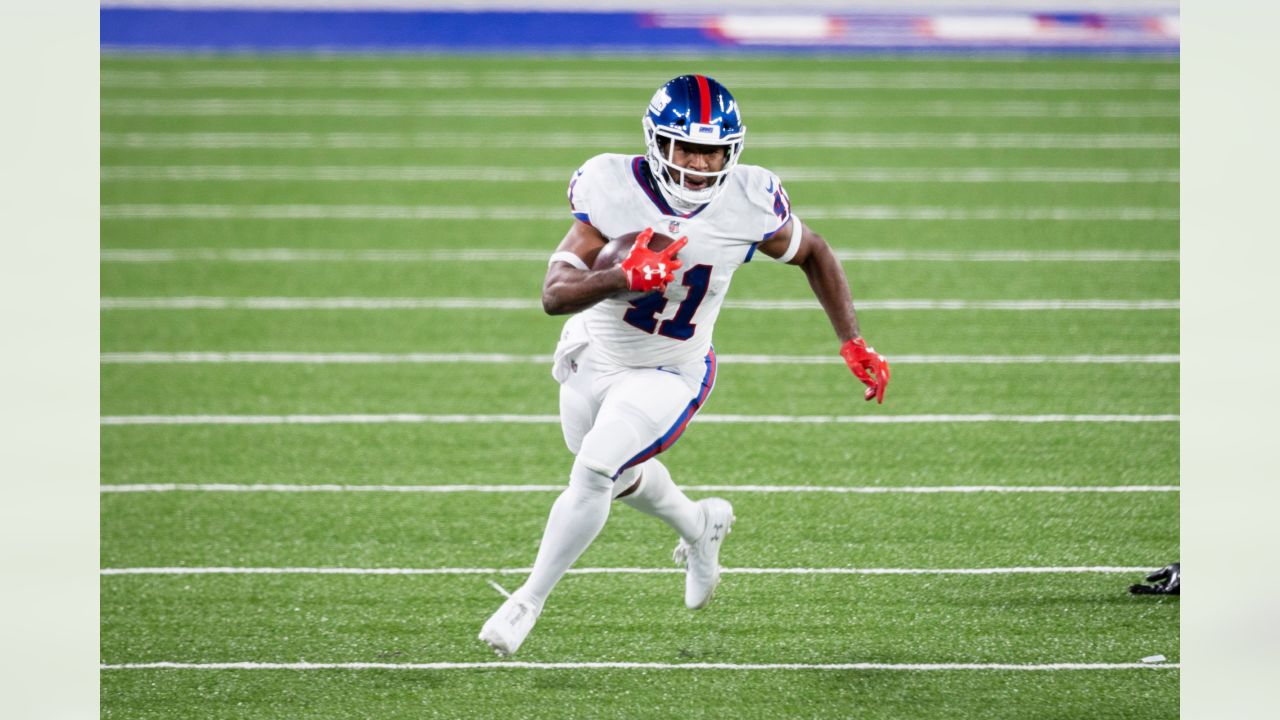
x=694 y=109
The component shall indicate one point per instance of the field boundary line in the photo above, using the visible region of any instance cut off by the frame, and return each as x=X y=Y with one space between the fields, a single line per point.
x=520 y=665
x=463 y=303
x=287 y=255
x=413 y=418
x=836 y=489
x=362 y=358
x=617 y=571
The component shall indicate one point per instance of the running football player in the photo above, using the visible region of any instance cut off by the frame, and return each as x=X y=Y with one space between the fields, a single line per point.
x=635 y=361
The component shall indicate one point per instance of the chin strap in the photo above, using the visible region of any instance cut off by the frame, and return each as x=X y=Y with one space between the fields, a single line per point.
x=683 y=207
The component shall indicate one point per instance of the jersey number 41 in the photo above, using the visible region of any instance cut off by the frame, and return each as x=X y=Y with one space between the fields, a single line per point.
x=644 y=310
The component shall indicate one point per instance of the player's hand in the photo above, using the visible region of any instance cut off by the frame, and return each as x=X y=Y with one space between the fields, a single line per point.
x=647 y=270
x=868 y=366
x=1168 y=581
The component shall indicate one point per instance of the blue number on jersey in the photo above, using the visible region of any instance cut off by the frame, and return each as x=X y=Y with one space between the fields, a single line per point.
x=644 y=310
x=679 y=327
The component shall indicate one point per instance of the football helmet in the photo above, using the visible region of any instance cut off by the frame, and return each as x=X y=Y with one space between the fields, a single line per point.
x=694 y=109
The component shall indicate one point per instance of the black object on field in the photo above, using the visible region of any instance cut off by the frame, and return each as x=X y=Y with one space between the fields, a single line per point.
x=1168 y=581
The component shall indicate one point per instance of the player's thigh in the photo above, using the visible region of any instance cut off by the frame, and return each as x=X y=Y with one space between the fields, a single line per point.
x=577 y=413
x=641 y=410
x=580 y=400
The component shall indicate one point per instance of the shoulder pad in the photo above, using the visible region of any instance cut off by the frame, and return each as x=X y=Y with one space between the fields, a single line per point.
x=600 y=170
x=767 y=198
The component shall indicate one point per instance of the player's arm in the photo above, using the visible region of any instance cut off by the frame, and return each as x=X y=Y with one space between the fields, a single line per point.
x=825 y=273
x=570 y=285
x=795 y=244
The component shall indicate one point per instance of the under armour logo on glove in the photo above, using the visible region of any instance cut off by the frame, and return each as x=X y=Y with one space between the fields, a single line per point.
x=647 y=270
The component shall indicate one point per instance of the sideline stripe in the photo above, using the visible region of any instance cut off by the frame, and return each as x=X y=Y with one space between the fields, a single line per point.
x=183 y=211
x=614 y=571
x=412 y=418
x=355 y=107
x=894 y=80
x=836 y=489
x=250 y=255
x=520 y=665
x=858 y=140
x=370 y=303
x=166 y=358
x=437 y=173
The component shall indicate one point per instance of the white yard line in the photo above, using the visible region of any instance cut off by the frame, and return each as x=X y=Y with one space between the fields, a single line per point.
x=448 y=489
x=354 y=107
x=854 y=79
x=438 y=173
x=520 y=665
x=353 y=358
x=414 y=418
x=161 y=358
x=190 y=211
x=949 y=256
x=456 y=140
x=288 y=255
x=588 y=80
x=373 y=303
x=615 y=571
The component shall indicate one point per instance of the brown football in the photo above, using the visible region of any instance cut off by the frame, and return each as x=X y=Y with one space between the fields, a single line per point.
x=616 y=249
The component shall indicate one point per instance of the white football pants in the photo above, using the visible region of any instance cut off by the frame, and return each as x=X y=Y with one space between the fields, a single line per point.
x=616 y=420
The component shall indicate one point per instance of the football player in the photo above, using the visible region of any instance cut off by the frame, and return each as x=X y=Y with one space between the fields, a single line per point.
x=635 y=361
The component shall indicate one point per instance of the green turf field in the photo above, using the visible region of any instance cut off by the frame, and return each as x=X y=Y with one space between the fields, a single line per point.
x=1011 y=233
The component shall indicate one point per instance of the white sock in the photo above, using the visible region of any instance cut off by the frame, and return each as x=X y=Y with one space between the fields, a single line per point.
x=576 y=518
x=659 y=496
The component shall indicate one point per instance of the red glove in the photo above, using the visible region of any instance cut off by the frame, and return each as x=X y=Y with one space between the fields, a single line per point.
x=868 y=366
x=648 y=270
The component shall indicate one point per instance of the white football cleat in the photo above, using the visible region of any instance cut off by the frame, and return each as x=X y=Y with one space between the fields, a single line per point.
x=507 y=628
x=702 y=558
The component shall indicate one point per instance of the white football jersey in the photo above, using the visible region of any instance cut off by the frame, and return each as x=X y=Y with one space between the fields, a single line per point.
x=614 y=194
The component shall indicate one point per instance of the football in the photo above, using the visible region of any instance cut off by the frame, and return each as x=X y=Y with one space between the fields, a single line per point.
x=616 y=249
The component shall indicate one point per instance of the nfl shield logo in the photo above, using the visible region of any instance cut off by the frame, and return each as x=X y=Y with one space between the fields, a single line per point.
x=673 y=227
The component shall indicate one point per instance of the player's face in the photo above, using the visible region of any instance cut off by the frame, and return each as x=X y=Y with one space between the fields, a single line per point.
x=698 y=158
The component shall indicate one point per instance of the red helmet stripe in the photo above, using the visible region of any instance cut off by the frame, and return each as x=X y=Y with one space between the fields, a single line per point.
x=704 y=98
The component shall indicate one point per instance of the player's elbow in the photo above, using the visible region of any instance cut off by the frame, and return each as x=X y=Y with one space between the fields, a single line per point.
x=818 y=253
x=553 y=303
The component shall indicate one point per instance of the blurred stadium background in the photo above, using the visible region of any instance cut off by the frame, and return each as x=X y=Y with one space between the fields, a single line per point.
x=328 y=419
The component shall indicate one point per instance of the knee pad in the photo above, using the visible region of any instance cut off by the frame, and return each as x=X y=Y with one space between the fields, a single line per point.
x=588 y=478
x=617 y=435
